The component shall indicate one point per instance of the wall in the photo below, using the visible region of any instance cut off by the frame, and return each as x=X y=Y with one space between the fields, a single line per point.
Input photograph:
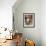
x=31 y=6
x=6 y=16
x=6 y=13
x=43 y=22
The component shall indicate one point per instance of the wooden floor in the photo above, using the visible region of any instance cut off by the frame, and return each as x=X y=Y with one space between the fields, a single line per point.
x=9 y=43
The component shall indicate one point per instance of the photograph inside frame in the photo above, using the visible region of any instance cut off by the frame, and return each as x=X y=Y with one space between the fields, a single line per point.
x=29 y=19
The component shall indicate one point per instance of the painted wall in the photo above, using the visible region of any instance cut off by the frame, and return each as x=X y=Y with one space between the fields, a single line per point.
x=6 y=13
x=6 y=16
x=43 y=22
x=30 y=6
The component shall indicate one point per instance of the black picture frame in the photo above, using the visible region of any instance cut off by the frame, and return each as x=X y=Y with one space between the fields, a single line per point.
x=28 y=20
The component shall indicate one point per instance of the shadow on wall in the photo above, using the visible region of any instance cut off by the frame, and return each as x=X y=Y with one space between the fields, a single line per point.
x=28 y=6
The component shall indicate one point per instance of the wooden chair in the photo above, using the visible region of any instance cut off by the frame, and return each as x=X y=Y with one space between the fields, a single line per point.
x=18 y=39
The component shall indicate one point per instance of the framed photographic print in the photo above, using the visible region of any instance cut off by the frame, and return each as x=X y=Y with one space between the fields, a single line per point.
x=29 y=20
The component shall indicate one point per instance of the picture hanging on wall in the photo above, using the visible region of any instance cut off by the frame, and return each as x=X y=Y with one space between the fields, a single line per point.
x=29 y=20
